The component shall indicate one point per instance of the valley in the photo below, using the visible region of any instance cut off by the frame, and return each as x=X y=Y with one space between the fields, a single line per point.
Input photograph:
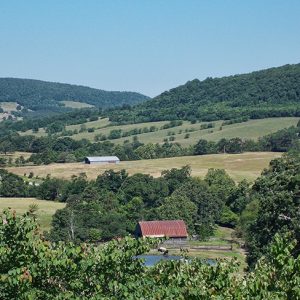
x=150 y=150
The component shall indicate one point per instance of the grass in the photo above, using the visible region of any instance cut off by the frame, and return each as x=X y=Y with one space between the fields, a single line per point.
x=8 y=107
x=100 y=123
x=222 y=237
x=105 y=131
x=252 y=129
x=15 y=155
x=74 y=104
x=44 y=213
x=240 y=166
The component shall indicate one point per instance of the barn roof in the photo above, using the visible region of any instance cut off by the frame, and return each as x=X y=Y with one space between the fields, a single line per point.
x=102 y=158
x=173 y=228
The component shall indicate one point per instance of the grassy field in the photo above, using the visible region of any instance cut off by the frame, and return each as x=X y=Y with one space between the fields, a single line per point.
x=239 y=166
x=7 y=107
x=15 y=155
x=45 y=208
x=101 y=123
x=252 y=129
x=73 y=104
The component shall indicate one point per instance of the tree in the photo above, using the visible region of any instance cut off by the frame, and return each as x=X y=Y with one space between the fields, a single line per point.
x=239 y=197
x=208 y=206
x=204 y=147
x=176 y=177
x=55 y=127
x=51 y=188
x=277 y=192
x=111 y=180
x=6 y=146
x=228 y=218
x=12 y=185
x=148 y=151
x=145 y=186
x=220 y=183
x=178 y=207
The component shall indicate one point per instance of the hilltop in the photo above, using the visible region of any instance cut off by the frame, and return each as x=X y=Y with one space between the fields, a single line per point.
x=272 y=92
x=46 y=97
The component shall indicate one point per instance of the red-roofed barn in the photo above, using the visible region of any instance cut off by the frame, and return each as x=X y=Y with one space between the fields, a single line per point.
x=174 y=229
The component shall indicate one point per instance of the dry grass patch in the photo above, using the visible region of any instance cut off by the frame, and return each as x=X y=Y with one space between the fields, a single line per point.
x=15 y=155
x=240 y=166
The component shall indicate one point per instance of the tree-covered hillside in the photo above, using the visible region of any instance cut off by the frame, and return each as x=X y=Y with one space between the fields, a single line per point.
x=41 y=96
x=267 y=93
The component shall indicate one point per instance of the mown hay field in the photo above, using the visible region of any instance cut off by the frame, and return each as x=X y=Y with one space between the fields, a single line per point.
x=14 y=155
x=240 y=166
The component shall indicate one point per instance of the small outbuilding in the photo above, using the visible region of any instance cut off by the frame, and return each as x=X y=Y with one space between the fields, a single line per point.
x=102 y=160
x=173 y=229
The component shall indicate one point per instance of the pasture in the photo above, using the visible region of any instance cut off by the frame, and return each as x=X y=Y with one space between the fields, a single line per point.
x=14 y=155
x=100 y=123
x=44 y=212
x=8 y=107
x=252 y=129
x=74 y=104
x=240 y=166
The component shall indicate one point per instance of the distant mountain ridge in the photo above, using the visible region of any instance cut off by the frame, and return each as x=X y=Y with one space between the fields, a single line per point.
x=40 y=95
x=260 y=94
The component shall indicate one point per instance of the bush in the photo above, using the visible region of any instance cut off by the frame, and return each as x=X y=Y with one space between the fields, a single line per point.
x=228 y=218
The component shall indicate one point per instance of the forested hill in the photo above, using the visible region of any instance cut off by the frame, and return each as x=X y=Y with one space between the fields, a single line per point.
x=267 y=93
x=39 y=95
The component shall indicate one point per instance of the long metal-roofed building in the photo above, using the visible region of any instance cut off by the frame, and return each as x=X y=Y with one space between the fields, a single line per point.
x=173 y=229
x=102 y=160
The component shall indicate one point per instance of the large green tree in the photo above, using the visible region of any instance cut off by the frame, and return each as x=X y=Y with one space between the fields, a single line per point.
x=178 y=207
x=278 y=194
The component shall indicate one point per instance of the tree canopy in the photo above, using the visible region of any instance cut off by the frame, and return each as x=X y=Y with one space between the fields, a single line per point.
x=268 y=93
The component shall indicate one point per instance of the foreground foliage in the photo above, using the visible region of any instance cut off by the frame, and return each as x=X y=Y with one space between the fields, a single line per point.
x=33 y=268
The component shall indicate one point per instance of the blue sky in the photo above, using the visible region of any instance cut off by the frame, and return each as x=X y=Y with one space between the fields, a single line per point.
x=147 y=46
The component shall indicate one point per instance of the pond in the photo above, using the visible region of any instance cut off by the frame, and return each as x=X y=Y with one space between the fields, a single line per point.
x=151 y=260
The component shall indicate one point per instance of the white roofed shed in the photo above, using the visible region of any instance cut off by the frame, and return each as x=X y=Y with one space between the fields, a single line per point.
x=101 y=160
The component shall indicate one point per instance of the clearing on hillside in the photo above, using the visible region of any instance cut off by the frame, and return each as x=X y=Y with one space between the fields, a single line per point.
x=240 y=166
x=7 y=107
x=14 y=155
x=73 y=104
x=186 y=134
x=45 y=211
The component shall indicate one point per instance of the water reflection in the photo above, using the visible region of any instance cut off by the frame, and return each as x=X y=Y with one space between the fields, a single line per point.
x=151 y=260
